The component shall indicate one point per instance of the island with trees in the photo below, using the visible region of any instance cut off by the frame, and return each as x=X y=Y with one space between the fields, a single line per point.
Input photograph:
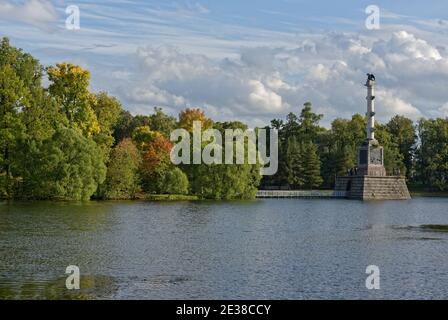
x=63 y=142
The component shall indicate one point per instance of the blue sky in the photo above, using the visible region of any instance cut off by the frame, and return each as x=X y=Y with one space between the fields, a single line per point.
x=247 y=60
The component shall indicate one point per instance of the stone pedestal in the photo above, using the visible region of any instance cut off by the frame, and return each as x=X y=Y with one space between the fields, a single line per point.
x=371 y=159
x=373 y=187
x=370 y=181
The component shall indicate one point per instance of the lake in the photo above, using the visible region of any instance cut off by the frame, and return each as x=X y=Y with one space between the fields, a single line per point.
x=263 y=249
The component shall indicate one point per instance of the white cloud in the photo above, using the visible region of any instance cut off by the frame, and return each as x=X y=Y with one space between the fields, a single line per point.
x=267 y=82
x=155 y=96
x=443 y=111
x=263 y=97
x=393 y=104
x=405 y=46
x=319 y=73
x=39 y=13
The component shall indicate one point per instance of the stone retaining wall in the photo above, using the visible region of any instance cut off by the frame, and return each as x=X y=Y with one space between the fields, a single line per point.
x=373 y=188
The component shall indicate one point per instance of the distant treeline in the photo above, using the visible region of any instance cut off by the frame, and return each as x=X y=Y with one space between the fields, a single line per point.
x=65 y=142
x=311 y=156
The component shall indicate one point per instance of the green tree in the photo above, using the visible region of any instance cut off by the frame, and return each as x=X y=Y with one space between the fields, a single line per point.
x=25 y=66
x=295 y=164
x=26 y=112
x=107 y=111
x=67 y=166
x=393 y=159
x=225 y=181
x=302 y=128
x=174 y=181
x=122 y=180
x=339 y=147
x=432 y=154
x=13 y=97
x=403 y=133
x=309 y=124
x=161 y=122
x=311 y=165
x=124 y=126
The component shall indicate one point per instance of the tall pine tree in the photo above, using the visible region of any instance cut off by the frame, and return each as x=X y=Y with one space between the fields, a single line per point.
x=311 y=165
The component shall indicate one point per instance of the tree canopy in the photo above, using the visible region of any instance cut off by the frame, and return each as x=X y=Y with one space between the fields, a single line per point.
x=65 y=141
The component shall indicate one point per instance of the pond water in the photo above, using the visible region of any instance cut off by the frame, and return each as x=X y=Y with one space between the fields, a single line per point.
x=263 y=249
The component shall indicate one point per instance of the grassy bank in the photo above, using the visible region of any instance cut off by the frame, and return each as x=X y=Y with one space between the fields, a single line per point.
x=168 y=197
x=418 y=190
x=429 y=193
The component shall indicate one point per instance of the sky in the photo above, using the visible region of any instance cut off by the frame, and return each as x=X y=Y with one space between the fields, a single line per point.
x=248 y=60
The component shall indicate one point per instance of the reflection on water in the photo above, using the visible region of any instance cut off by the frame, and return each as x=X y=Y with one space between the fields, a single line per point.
x=267 y=249
x=427 y=227
x=91 y=287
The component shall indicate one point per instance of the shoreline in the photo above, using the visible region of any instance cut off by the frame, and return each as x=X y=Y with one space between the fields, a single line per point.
x=178 y=198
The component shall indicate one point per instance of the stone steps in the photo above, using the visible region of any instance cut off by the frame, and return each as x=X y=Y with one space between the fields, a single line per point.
x=373 y=187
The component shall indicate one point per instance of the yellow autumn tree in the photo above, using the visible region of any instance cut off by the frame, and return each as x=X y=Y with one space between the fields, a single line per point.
x=69 y=85
x=188 y=116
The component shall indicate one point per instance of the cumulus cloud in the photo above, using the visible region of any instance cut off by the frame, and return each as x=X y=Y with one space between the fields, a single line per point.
x=263 y=97
x=404 y=46
x=267 y=82
x=39 y=13
x=393 y=105
x=443 y=111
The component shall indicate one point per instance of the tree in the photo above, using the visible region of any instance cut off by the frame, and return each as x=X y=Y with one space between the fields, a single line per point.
x=158 y=121
x=142 y=136
x=309 y=123
x=295 y=164
x=69 y=86
x=432 y=154
x=295 y=130
x=124 y=126
x=156 y=162
x=276 y=124
x=25 y=66
x=161 y=122
x=339 y=147
x=403 y=133
x=122 y=180
x=225 y=181
x=141 y=121
x=311 y=164
x=290 y=128
x=13 y=96
x=393 y=159
x=67 y=166
x=107 y=111
x=41 y=116
x=188 y=116
x=174 y=181
x=26 y=112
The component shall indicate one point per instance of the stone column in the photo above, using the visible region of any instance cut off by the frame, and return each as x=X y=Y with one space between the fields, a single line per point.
x=370 y=108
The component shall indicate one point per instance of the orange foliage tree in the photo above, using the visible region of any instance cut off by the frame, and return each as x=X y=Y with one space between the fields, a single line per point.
x=156 y=157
